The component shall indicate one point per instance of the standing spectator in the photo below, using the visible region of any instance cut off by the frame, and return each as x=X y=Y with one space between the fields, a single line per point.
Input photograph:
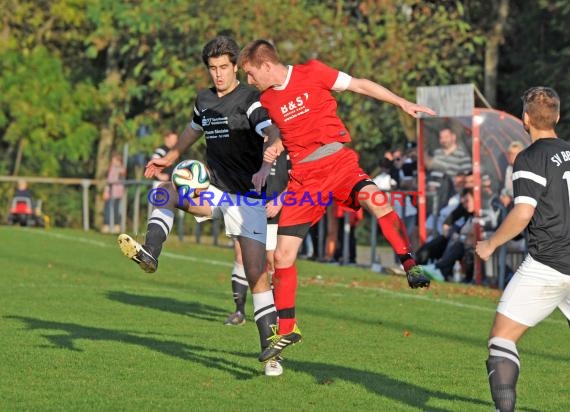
x=514 y=149
x=541 y=283
x=354 y=217
x=331 y=236
x=114 y=192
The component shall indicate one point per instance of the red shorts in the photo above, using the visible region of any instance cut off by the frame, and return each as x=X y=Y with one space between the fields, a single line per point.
x=314 y=185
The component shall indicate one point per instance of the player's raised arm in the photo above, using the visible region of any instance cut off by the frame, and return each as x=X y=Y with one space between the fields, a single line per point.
x=187 y=139
x=378 y=92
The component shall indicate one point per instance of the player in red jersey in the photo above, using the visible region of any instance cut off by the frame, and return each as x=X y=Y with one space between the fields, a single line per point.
x=299 y=101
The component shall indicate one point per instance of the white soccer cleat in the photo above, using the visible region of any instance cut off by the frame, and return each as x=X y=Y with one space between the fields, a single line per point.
x=273 y=367
x=136 y=252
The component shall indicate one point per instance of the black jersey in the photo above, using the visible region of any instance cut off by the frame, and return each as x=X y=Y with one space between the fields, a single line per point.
x=232 y=126
x=278 y=179
x=541 y=178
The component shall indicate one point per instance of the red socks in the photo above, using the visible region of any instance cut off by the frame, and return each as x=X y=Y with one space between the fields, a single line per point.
x=394 y=231
x=284 y=291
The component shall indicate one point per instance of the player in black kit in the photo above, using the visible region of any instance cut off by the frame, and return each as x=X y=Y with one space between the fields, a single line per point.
x=235 y=125
x=276 y=184
x=541 y=183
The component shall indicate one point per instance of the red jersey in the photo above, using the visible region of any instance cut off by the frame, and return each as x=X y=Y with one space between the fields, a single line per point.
x=305 y=110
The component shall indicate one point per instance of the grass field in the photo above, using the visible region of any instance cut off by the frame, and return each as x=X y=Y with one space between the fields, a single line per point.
x=83 y=329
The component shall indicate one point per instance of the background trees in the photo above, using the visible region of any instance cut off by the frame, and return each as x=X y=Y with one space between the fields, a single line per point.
x=78 y=78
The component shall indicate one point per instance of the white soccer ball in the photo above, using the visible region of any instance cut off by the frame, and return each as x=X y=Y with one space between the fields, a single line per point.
x=191 y=176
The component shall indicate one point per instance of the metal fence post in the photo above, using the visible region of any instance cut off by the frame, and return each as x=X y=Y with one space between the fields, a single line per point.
x=85 y=183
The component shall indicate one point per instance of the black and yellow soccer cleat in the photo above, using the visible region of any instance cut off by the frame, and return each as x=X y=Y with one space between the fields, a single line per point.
x=280 y=342
x=136 y=252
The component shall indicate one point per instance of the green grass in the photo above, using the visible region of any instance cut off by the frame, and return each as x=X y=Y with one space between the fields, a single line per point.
x=82 y=328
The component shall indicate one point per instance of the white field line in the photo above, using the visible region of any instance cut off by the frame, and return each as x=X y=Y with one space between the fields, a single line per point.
x=106 y=244
x=228 y=264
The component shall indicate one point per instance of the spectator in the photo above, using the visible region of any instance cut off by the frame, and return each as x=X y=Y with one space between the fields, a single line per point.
x=456 y=242
x=331 y=237
x=22 y=190
x=409 y=170
x=23 y=209
x=114 y=192
x=449 y=157
x=514 y=149
x=446 y=197
x=407 y=181
x=396 y=165
x=354 y=217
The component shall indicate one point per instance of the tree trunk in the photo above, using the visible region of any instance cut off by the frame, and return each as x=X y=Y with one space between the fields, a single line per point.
x=495 y=39
x=106 y=141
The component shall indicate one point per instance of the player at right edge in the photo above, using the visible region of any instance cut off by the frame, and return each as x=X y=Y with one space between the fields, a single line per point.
x=541 y=183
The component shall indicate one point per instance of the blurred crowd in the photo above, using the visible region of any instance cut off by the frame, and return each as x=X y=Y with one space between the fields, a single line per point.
x=451 y=221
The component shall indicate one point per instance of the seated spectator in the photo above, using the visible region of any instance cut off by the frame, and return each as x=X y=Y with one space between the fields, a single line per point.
x=22 y=190
x=24 y=209
x=396 y=163
x=491 y=206
x=447 y=197
x=456 y=243
x=517 y=245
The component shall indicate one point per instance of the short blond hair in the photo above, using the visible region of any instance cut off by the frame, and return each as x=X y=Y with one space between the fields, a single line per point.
x=258 y=52
x=542 y=105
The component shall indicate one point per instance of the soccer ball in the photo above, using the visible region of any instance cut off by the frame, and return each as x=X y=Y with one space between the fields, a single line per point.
x=191 y=176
